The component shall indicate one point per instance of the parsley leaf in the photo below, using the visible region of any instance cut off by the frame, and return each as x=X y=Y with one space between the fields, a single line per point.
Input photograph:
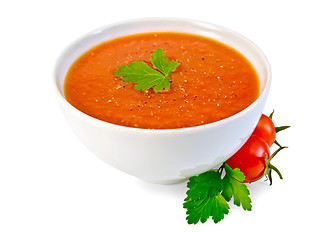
x=147 y=77
x=162 y=63
x=233 y=186
x=209 y=194
x=204 y=198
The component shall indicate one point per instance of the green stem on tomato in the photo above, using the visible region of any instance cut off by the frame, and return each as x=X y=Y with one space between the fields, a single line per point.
x=271 y=114
x=276 y=170
x=269 y=176
x=275 y=153
x=270 y=167
x=277 y=143
x=278 y=129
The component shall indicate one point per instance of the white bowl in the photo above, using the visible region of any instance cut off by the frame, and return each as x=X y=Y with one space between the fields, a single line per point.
x=169 y=155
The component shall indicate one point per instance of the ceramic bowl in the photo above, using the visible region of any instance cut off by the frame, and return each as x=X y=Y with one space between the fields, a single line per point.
x=169 y=155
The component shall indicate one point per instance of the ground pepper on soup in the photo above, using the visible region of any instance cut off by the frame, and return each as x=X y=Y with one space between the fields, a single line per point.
x=212 y=82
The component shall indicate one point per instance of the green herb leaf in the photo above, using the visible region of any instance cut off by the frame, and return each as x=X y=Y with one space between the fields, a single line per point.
x=233 y=186
x=209 y=194
x=162 y=63
x=147 y=77
x=204 y=198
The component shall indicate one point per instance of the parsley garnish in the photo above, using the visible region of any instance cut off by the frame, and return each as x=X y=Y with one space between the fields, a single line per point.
x=209 y=194
x=147 y=77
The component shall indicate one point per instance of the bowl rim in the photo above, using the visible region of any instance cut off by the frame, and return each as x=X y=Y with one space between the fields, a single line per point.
x=204 y=127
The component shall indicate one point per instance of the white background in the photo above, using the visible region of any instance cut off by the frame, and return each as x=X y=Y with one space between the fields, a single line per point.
x=52 y=187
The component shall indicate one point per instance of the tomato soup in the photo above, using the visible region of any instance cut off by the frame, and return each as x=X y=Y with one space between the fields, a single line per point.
x=212 y=82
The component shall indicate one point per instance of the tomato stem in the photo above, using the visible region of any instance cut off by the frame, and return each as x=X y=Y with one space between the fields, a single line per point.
x=277 y=143
x=275 y=153
x=278 y=129
x=271 y=114
x=269 y=176
x=276 y=170
x=270 y=167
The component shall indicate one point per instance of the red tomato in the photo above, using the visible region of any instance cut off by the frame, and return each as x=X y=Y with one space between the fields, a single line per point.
x=250 y=158
x=266 y=130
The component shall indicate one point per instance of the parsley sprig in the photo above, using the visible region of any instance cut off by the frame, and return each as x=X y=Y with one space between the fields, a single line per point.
x=210 y=192
x=147 y=77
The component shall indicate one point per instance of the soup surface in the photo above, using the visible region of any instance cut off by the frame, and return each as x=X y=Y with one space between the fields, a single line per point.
x=212 y=82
